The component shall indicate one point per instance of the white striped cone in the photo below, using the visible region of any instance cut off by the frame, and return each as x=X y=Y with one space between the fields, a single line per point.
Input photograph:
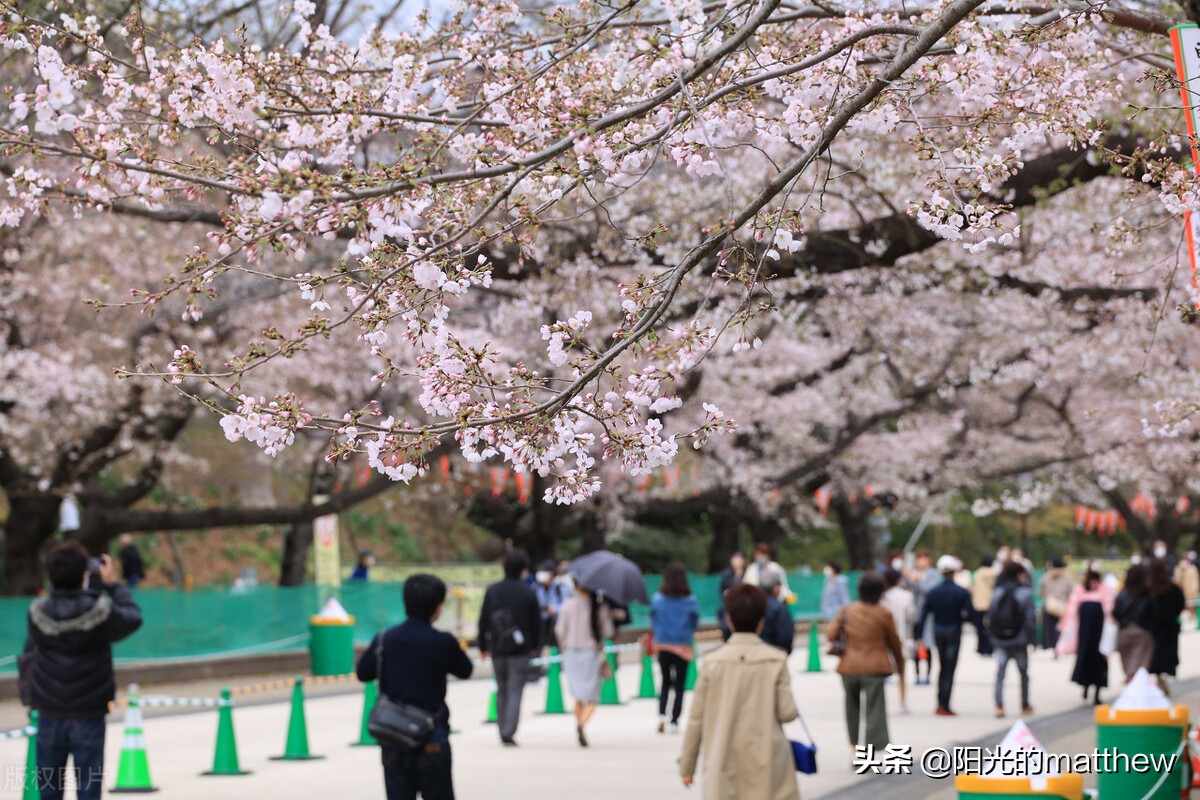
x=133 y=771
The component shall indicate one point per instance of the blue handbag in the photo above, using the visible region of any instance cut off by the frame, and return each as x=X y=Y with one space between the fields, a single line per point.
x=805 y=755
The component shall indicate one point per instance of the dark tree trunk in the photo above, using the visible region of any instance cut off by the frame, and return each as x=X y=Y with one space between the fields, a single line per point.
x=1139 y=528
x=546 y=523
x=293 y=562
x=591 y=530
x=727 y=532
x=293 y=566
x=1168 y=526
x=32 y=521
x=856 y=532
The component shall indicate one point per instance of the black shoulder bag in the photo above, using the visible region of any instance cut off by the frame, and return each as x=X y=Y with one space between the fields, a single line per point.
x=402 y=727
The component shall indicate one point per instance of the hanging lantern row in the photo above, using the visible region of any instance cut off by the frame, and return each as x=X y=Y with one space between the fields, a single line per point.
x=1146 y=507
x=672 y=481
x=1101 y=523
x=1143 y=506
x=823 y=497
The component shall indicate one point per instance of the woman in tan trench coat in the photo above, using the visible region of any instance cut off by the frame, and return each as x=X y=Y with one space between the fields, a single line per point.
x=743 y=696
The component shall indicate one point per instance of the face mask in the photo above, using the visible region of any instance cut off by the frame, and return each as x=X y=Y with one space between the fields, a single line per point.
x=763 y=559
x=898 y=564
x=1135 y=559
x=1160 y=552
x=543 y=577
x=828 y=572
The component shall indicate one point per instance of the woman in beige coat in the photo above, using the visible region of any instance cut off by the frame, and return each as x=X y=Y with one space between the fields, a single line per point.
x=743 y=696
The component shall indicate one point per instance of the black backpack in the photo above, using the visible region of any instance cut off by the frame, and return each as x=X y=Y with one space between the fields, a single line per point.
x=507 y=638
x=1007 y=620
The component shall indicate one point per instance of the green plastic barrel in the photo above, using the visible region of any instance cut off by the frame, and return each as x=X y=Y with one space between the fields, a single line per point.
x=1157 y=732
x=1053 y=787
x=332 y=646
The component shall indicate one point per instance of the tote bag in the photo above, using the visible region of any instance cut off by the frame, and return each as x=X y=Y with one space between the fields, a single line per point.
x=1108 y=637
x=805 y=755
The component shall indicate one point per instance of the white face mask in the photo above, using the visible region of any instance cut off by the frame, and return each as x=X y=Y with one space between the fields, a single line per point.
x=543 y=577
x=1135 y=559
x=1160 y=552
x=828 y=572
x=898 y=564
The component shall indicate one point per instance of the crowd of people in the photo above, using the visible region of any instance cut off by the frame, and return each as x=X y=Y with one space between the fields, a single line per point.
x=904 y=611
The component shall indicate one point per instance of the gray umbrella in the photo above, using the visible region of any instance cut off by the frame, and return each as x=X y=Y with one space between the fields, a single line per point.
x=618 y=578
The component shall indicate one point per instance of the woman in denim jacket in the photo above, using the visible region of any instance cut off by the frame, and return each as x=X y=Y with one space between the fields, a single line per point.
x=675 y=615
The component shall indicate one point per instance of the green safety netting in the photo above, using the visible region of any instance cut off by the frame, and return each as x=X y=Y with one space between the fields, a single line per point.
x=221 y=621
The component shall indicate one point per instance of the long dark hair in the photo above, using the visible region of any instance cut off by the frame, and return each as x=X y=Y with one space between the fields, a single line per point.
x=674 y=581
x=594 y=604
x=1135 y=580
x=1091 y=579
x=1160 y=577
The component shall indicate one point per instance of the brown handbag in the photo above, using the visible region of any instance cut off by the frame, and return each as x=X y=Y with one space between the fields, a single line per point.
x=837 y=646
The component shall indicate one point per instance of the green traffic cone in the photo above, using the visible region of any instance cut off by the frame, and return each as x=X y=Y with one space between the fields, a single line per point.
x=492 y=716
x=814 y=649
x=296 y=748
x=609 y=696
x=225 y=758
x=554 y=692
x=646 y=690
x=31 y=771
x=689 y=682
x=370 y=695
x=133 y=770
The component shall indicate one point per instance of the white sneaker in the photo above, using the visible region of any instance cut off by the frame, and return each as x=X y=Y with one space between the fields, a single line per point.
x=674 y=727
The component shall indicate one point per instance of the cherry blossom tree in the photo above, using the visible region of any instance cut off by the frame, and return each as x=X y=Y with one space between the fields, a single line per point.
x=811 y=220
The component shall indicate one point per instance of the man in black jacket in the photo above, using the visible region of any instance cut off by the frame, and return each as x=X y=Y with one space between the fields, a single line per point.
x=510 y=629
x=416 y=660
x=950 y=606
x=71 y=633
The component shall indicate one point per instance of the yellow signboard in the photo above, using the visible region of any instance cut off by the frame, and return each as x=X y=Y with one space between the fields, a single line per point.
x=327 y=568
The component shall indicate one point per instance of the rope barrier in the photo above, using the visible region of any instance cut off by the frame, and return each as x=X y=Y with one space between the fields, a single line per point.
x=153 y=701
x=164 y=701
x=547 y=660
x=18 y=733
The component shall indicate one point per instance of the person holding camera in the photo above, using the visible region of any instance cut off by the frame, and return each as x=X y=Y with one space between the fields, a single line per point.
x=67 y=667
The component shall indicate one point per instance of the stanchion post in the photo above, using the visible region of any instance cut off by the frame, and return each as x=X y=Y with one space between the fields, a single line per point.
x=32 y=791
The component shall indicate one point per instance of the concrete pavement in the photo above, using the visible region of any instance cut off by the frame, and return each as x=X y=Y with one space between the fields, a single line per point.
x=627 y=759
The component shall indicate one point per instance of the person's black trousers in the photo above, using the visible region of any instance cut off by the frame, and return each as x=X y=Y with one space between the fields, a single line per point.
x=428 y=772
x=947 y=647
x=674 y=678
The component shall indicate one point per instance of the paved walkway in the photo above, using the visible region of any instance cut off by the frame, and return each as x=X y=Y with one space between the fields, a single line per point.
x=627 y=759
